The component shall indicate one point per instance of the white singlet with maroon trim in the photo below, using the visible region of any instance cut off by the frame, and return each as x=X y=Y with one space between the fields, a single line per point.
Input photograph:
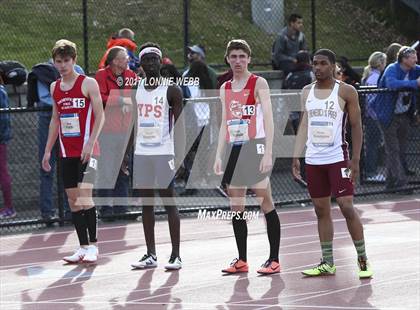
x=154 y=122
x=244 y=116
x=327 y=121
x=76 y=118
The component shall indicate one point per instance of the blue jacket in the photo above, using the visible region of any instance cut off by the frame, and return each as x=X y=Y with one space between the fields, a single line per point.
x=5 y=127
x=393 y=78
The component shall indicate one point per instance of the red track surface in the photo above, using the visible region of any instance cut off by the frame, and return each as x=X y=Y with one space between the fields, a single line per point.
x=34 y=277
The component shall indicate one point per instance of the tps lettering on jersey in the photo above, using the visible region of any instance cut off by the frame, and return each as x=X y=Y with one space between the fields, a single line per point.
x=150 y=131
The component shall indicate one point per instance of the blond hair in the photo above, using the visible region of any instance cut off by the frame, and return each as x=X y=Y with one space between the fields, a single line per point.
x=376 y=60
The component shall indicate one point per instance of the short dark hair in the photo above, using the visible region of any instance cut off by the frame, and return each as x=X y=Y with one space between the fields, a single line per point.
x=294 y=17
x=404 y=52
x=328 y=53
x=169 y=70
x=303 y=57
x=238 y=44
x=149 y=44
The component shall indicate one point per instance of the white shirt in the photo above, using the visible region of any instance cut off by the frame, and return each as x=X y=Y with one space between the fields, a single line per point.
x=326 y=142
x=154 y=122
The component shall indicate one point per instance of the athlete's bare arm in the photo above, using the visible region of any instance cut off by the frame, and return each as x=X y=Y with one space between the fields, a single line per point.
x=351 y=98
x=90 y=89
x=175 y=101
x=301 y=135
x=262 y=93
x=52 y=133
x=217 y=167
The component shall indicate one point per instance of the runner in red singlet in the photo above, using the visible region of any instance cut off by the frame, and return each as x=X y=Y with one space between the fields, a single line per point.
x=77 y=119
x=247 y=134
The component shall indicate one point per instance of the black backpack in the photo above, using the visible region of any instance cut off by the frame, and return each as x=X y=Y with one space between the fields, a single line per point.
x=13 y=72
x=297 y=79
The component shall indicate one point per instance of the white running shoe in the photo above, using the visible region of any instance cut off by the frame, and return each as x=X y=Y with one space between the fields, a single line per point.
x=76 y=257
x=147 y=261
x=174 y=263
x=91 y=255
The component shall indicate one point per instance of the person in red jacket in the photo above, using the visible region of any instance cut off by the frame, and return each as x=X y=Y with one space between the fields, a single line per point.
x=115 y=83
x=124 y=38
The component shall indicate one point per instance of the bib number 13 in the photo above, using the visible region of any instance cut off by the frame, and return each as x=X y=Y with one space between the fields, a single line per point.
x=248 y=110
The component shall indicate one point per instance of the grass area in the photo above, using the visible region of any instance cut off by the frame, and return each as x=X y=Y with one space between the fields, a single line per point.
x=30 y=28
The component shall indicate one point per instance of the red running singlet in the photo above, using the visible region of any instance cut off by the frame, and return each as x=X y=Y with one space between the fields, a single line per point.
x=244 y=117
x=76 y=119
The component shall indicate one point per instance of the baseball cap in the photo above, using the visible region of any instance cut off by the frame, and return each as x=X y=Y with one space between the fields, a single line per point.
x=197 y=49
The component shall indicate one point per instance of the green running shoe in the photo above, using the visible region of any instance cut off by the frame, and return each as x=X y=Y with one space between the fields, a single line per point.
x=365 y=271
x=323 y=269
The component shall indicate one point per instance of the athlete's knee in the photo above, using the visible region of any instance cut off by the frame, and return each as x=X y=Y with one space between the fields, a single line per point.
x=322 y=212
x=237 y=208
x=348 y=211
x=148 y=209
x=267 y=204
x=171 y=210
x=167 y=192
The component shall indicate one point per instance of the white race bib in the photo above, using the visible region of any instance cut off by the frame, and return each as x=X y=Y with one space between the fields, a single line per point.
x=238 y=131
x=322 y=134
x=70 y=126
x=345 y=173
x=150 y=133
x=260 y=149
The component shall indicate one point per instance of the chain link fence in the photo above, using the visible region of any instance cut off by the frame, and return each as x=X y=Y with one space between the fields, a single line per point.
x=30 y=28
x=24 y=163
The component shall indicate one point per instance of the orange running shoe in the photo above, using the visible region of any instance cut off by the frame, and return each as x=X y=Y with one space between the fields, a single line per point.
x=236 y=266
x=269 y=267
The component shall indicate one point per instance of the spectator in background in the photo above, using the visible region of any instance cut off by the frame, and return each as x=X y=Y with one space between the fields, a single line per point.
x=300 y=76
x=201 y=112
x=349 y=76
x=124 y=38
x=338 y=73
x=198 y=53
x=168 y=70
x=224 y=77
x=112 y=80
x=373 y=136
x=417 y=48
x=39 y=81
x=396 y=110
x=5 y=136
x=290 y=41
x=391 y=53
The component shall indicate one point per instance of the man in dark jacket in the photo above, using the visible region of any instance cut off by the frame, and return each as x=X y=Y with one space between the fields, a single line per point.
x=289 y=42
